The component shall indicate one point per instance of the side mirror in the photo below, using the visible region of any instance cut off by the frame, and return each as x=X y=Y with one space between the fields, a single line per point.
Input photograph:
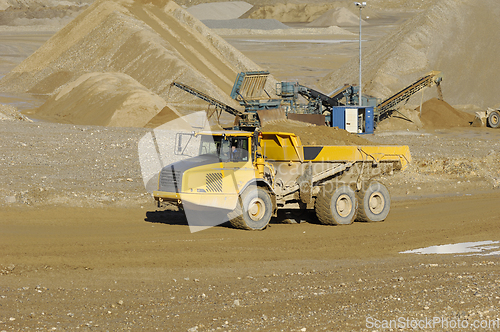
x=181 y=142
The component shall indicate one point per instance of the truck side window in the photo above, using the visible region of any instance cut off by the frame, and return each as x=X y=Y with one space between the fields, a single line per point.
x=225 y=151
x=239 y=149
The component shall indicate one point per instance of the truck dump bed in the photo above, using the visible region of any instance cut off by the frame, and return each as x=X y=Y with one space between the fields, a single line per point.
x=279 y=146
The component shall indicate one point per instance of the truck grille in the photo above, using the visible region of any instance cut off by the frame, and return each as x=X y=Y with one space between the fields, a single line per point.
x=214 y=182
x=170 y=180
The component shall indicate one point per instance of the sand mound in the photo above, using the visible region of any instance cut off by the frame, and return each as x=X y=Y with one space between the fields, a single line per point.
x=220 y=10
x=10 y=113
x=245 y=24
x=337 y=17
x=405 y=119
x=109 y=99
x=317 y=135
x=42 y=12
x=400 y=5
x=303 y=12
x=439 y=114
x=156 y=43
x=436 y=114
x=288 y=32
x=439 y=38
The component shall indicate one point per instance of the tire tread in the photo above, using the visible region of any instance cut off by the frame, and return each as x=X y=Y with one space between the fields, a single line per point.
x=236 y=216
x=360 y=195
x=322 y=207
x=324 y=210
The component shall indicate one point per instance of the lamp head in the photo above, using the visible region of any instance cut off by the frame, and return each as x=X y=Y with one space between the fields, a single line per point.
x=360 y=4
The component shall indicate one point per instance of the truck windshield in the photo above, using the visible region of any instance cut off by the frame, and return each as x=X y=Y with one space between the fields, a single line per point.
x=227 y=149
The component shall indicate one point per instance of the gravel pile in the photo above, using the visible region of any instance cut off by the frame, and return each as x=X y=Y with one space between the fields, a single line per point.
x=439 y=114
x=284 y=32
x=116 y=37
x=303 y=11
x=337 y=16
x=220 y=10
x=246 y=24
x=56 y=164
x=39 y=12
x=51 y=164
x=420 y=45
x=10 y=113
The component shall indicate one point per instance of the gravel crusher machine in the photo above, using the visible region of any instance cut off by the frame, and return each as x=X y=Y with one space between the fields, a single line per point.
x=259 y=106
x=337 y=109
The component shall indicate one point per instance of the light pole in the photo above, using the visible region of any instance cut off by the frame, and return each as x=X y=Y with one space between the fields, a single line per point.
x=360 y=5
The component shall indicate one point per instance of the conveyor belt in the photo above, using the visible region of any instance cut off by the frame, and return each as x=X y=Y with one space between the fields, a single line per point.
x=311 y=94
x=208 y=99
x=432 y=78
x=341 y=93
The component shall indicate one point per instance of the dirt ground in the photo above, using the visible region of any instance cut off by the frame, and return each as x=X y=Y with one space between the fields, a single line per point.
x=83 y=246
x=128 y=269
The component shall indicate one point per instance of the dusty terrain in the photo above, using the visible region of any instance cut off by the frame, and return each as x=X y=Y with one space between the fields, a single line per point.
x=120 y=269
x=83 y=246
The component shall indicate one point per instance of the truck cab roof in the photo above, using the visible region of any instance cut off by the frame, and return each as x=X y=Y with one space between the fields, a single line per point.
x=242 y=133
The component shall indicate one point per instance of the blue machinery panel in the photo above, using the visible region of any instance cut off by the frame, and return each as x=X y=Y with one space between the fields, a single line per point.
x=365 y=118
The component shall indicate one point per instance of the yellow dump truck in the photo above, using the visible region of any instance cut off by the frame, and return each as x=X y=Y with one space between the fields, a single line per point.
x=253 y=175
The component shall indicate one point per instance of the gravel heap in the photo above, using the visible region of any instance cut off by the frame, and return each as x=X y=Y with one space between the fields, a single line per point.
x=436 y=114
x=39 y=12
x=439 y=114
x=337 y=16
x=334 y=30
x=107 y=99
x=246 y=24
x=116 y=36
x=220 y=10
x=10 y=113
x=421 y=44
x=317 y=135
x=304 y=11
x=49 y=164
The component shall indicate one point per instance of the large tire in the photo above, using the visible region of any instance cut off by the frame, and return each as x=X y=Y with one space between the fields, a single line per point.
x=494 y=119
x=253 y=211
x=374 y=202
x=336 y=207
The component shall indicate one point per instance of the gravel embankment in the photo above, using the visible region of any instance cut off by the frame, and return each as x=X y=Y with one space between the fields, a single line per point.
x=46 y=163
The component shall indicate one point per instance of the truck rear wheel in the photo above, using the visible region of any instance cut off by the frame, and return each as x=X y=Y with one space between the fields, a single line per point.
x=336 y=207
x=253 y=211
x=494 y=119
x=374 y=202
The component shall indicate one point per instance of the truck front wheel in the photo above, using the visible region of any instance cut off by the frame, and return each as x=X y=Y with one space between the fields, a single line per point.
x=336 y=207
x=374 y=202
x=253 y=211
x=494 y=119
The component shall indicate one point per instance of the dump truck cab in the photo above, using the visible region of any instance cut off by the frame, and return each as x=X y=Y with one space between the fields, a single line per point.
x=251 y=175
x=226 y=164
